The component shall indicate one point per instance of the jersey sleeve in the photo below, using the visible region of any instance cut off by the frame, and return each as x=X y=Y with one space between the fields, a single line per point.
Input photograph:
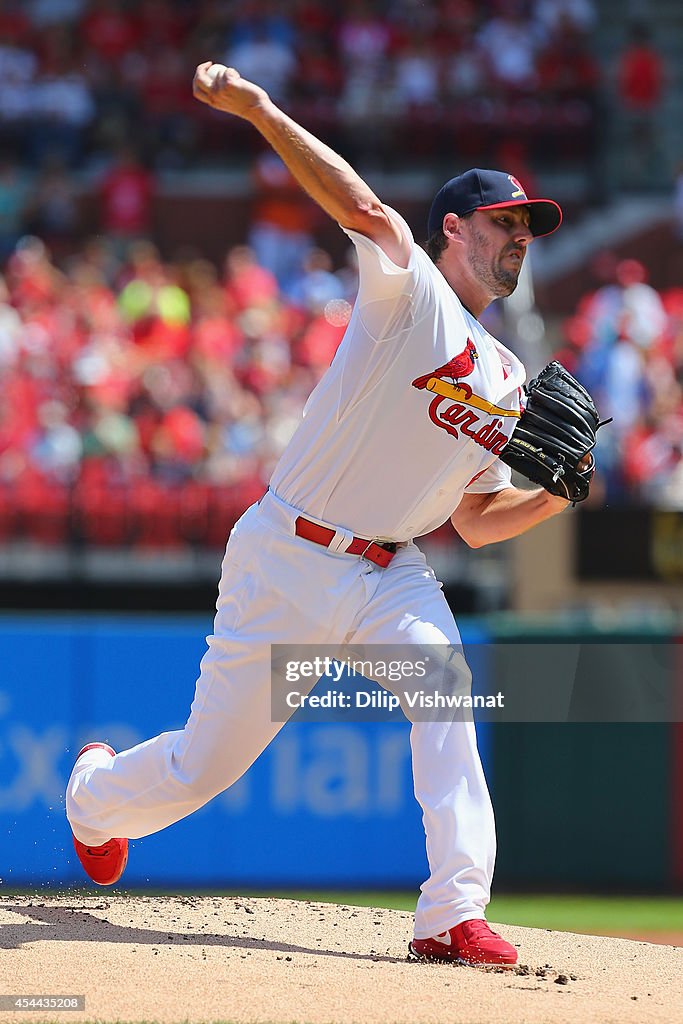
x=387 y=294
x=496 y=477
x=380 y=276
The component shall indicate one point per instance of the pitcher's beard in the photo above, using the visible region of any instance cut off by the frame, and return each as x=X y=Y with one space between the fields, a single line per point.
x=499 y=281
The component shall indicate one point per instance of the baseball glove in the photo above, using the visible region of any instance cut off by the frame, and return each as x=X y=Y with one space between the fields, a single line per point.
x=554 y=439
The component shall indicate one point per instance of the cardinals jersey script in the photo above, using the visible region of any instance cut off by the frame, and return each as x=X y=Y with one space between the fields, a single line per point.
x=413 y=411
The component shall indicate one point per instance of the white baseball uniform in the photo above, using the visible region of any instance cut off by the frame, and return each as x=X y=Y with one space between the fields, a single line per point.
x=411 y=414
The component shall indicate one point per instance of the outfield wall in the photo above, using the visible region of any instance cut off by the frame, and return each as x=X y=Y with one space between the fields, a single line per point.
x=326 y=804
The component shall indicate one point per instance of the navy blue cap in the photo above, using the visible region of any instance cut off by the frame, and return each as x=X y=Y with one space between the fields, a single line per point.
x=490 y=190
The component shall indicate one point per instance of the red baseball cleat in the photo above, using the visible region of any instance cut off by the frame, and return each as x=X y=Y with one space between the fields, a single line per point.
x=106 y=863
x=471 y=942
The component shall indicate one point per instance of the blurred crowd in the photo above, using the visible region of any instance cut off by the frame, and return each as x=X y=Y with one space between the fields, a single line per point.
x=625 y=343
x=450 y=76
x=145 y=401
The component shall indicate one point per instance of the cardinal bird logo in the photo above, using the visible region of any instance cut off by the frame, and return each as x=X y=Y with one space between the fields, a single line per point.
x=454 y=404
x=459 y=366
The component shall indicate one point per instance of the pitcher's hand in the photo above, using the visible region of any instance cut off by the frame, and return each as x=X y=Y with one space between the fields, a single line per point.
x=224 y=89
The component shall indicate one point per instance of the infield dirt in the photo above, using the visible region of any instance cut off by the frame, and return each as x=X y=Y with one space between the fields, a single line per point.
x=205 y=959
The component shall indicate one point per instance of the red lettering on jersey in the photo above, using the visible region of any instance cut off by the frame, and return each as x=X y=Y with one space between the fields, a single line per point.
x=459 y=419
x=452 y=415
x=467 y=422
x=501 y=441
x=433 y=415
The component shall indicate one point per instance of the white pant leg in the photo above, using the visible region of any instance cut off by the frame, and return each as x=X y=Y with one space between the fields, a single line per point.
x=408 y=607
x=275 y=588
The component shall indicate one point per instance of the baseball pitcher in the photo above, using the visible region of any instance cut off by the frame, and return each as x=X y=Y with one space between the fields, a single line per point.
x=408 y=427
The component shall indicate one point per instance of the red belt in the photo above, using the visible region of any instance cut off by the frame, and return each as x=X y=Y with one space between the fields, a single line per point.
x=380 y=554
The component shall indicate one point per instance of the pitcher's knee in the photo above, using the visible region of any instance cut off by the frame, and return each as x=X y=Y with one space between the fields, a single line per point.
x=205 y=777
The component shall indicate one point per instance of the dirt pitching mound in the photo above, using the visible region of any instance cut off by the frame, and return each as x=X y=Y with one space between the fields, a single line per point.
x=203 y=959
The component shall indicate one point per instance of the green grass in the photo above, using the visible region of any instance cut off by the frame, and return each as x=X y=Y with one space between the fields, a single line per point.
x=590 y=913
x=563 y=913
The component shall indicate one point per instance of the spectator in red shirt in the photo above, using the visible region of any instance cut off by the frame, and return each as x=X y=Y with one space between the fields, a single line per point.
x=160 y=23
x=641 y=71
x=109 y=30
x=641 y=79
x=247 y=283
x=126 y=195
x=567 y=69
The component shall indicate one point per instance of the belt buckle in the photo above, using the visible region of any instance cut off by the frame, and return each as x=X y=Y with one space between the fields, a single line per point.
x=388 y=545
x=383 y=553
x=366 y=548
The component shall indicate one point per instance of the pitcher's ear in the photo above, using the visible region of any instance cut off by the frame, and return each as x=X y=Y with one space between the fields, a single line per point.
x=452 y=226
